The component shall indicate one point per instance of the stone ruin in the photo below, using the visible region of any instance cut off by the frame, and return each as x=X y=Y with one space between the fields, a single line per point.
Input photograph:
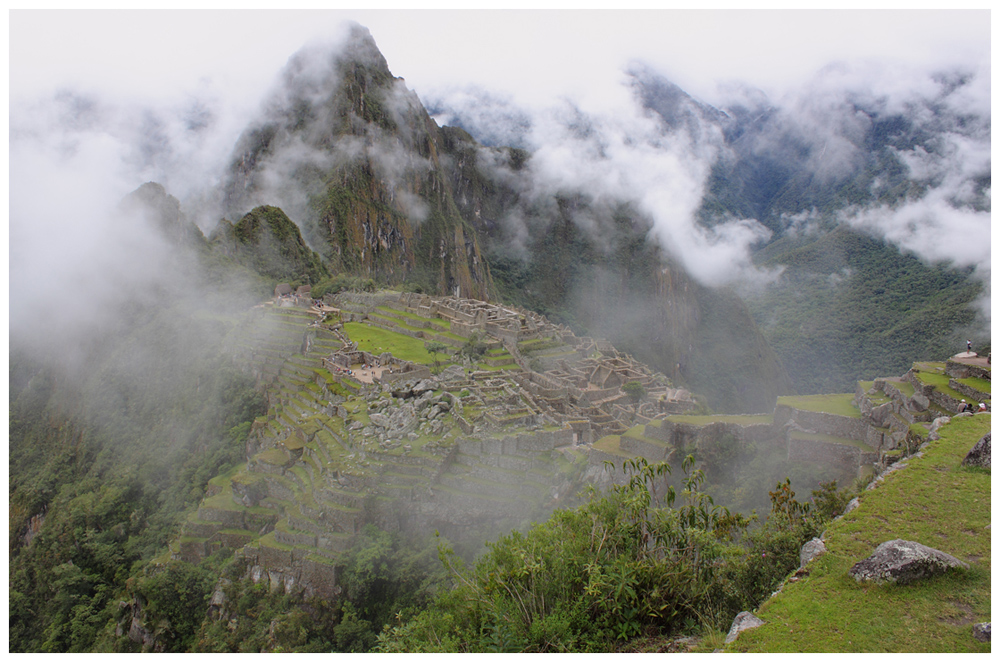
x=562 y=379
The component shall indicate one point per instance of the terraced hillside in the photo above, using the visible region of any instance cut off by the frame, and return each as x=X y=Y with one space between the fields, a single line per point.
x=844 y=437
x=335 y=453
x=359 y=430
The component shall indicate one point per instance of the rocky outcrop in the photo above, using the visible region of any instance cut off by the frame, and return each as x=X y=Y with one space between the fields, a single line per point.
x=979 y=456
x=981 y=632
x=743 y=621
x=903 y=562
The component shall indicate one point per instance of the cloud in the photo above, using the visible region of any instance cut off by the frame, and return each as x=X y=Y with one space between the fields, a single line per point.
x=73 y=259
x=633 y=157
x=494 y=119
x=948 y=220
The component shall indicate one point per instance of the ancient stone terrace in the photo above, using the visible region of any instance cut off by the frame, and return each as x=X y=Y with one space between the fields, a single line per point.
x=564 y=378
x=353 y=437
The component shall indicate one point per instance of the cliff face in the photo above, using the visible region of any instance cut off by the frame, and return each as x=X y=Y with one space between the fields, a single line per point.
x=352 y=156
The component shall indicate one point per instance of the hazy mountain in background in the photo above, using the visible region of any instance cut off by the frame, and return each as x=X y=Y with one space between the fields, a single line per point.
x=865 y=212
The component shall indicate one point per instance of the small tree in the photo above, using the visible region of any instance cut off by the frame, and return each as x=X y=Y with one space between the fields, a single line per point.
x=474 y=348
x=434 y=348
x=635 y=392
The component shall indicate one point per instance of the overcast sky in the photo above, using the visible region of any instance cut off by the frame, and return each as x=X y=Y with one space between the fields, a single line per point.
x=536 y=56
x=138 y=78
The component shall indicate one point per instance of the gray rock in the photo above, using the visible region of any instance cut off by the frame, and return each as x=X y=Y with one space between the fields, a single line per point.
x=920 y=402
x=981 y=631
x=938 y=422
x=451 y=373
x=903 y=562
x=423 y=386
x=743 y=621
x=851 y=505
x=979 y=456
x=811 y=550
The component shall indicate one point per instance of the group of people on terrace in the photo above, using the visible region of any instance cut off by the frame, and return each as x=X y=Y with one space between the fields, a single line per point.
x=964 y=406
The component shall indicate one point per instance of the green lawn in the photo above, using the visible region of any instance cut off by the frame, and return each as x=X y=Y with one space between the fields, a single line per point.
x=933 y=501
x=830 y=439
x=375 y=340
x=905 y=387
x=611 y=444
x=413 y=316
x=834 y=403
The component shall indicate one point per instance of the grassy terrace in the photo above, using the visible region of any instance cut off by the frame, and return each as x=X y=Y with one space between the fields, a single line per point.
x=976 y=383
x=636 y=432
x=538 y=344
x=877 y=398
x=611 y=444
x=830 y=439
x=835 y=403
x=933 y=501
x=939 y=381
x=375 y=340
x=905 y=387
x=741 y=419
x=392 y=312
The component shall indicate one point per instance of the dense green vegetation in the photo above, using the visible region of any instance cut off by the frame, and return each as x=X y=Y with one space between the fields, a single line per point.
x=270 y=243
x=111 y=464
x=641 y=560
x=849 y=307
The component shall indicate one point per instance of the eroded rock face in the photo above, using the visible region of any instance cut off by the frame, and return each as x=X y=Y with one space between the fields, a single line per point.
x=979 y=456
x=743 y=621
x=903 y=562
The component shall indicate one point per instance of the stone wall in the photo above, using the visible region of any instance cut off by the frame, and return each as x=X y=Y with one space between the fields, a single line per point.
x=820 y=452
x=964 y=370
x=821 y=422
x=968 y=391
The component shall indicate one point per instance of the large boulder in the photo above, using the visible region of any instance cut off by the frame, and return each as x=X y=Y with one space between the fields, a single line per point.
x=979 y=456
x=743 y=621
x=903 y=562
x=981 y=631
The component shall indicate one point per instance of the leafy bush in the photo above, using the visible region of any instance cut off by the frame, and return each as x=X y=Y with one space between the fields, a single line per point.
x=643 y=559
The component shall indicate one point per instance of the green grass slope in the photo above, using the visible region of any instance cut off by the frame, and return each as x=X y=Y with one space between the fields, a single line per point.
x=934 y=501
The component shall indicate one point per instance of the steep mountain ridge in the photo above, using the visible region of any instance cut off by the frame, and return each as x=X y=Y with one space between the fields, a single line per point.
x=351 y=154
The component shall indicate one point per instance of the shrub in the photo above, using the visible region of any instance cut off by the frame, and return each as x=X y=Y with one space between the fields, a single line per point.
x=641 y=559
